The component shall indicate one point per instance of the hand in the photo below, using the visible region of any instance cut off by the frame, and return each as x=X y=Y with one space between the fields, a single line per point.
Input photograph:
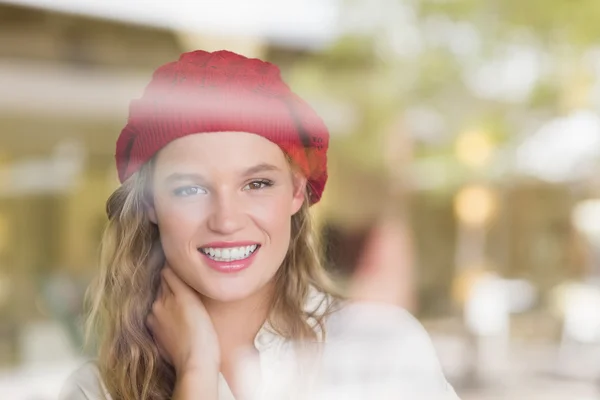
x=182 y=328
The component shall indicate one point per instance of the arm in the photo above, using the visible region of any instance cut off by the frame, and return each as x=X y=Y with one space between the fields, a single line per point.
x=197 y=386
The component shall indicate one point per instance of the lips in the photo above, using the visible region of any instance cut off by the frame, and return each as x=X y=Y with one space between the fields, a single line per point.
x=229 y=256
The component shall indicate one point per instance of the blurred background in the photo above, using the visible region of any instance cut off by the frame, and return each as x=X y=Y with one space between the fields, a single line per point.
x=476 y=120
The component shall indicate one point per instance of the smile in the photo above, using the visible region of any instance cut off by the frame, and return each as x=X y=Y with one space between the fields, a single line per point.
x=229 y=254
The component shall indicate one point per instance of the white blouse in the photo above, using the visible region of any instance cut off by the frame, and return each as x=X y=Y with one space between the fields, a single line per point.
x=371 y=351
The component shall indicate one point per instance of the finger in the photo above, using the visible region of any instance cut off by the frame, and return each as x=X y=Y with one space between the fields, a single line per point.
x=164 y=355
x=384 y=271
x=151 y=322
x=156 y=310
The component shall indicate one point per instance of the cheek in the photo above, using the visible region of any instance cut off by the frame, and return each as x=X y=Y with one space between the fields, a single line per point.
x=274 y=219
x=177 y=222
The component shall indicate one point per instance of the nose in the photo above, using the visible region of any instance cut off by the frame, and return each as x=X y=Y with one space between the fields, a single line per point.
x=226 y=216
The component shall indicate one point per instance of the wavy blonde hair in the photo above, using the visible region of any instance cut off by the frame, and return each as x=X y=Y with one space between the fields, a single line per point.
x=121 y=296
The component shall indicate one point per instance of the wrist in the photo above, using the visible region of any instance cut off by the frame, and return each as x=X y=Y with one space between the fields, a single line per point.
x=193 y=381
x=204 y=370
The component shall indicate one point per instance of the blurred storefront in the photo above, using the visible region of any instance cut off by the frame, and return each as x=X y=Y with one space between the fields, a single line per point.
x=67 y=80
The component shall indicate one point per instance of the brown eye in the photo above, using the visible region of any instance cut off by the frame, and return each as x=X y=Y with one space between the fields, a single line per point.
x=258 y=184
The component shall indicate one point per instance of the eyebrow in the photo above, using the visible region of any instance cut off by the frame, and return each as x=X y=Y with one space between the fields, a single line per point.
x=178 y=176
x=263 y=167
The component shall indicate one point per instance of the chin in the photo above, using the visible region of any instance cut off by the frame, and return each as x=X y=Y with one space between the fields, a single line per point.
x=230 y=290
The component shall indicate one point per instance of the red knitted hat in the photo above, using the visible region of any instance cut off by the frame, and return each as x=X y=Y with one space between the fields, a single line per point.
x=217 y=92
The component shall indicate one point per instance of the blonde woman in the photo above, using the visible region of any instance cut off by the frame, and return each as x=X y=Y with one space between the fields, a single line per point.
x=208 y=250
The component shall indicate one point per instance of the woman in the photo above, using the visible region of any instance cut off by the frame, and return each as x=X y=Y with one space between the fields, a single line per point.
x=208 y=250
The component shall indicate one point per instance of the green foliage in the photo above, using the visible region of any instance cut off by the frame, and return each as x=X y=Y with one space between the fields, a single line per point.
x=570 y=21
x=382 y=84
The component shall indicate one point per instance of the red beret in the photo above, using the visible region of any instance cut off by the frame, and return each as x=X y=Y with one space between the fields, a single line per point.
x=217 y=92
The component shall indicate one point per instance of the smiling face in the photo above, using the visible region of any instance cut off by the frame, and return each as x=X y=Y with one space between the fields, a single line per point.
x=223 y=203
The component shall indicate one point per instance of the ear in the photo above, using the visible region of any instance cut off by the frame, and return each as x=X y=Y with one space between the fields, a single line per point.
x=149 y=206
x=298 y=198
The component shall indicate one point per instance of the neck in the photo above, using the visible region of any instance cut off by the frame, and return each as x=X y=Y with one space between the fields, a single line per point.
x=236 y=323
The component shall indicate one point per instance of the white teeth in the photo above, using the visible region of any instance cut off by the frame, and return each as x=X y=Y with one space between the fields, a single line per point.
x=229 y=254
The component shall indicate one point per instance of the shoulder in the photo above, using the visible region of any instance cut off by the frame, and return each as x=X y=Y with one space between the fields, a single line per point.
x=392 y=336
x=84 y=384
x=365 y=316
x=347 y=320
x=380 y=321
x=318 y=303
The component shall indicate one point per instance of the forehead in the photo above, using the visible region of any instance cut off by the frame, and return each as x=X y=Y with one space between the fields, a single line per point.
x=218 y=152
